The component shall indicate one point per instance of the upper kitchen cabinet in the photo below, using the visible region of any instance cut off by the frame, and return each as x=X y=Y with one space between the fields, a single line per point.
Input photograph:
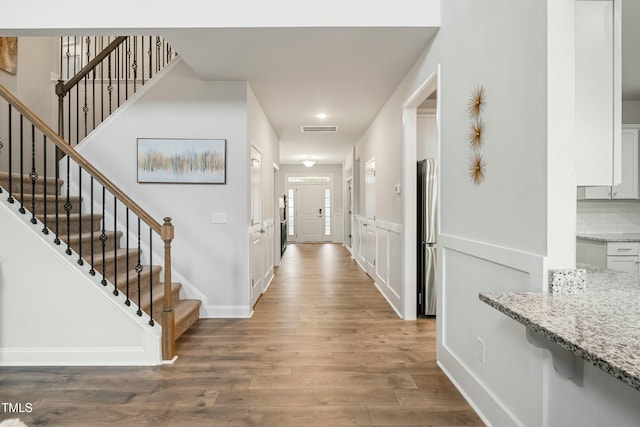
x=598 y=92
x=628 y=187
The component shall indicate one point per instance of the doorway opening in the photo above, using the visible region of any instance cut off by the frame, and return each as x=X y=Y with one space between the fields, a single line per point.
x=310 y=208
x=417 y=103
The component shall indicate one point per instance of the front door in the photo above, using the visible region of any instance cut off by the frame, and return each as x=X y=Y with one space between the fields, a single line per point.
x=257 y=231
x=310 y=216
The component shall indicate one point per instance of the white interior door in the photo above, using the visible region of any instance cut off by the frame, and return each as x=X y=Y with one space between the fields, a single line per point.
x=370 y=189
x=257 y=232
x=369 y=224
x=309 y=212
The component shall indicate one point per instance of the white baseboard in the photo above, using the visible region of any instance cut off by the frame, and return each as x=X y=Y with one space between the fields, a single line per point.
x=108 y=356
x=227 y=312
x=388 y=300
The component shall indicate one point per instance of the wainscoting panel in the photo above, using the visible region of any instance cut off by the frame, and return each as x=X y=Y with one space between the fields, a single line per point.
x=483 y=351
x=378 y=247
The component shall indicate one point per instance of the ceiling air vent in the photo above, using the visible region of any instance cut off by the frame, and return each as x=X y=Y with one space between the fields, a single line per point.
x=319 y=128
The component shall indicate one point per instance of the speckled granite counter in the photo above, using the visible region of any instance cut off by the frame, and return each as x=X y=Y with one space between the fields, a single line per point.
x=611 y=237
x=601 y=325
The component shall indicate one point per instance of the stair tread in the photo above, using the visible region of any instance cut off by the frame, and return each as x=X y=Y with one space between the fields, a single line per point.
x=27 y=177
x=96 y=234
x=50 y=197
x=122 y=277
x=119 y=253
x=158 y=294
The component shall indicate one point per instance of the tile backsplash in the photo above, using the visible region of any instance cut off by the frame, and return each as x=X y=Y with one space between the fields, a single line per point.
x=608 y=216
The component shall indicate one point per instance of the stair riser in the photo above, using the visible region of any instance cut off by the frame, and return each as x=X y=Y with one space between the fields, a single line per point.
x=74 y=225
x=133 y=283
x=110 y=266
x=158 y=304
x=15 y=184
x=110 y=243
x=182 y=326
x=50 y=205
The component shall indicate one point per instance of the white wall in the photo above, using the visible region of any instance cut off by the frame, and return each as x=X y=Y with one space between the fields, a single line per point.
x=53 y=313
x=336 y=171
x=493 y=236
x=37 y=59
x=224 y=14
x=210 y=259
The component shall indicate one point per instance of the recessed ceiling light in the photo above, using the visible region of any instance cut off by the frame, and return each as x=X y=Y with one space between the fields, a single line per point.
x=308 y=163
x=322 y=116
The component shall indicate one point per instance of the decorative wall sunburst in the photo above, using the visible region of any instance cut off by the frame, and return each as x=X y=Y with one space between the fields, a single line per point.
x=477 y=167
x=477 y=102
x=475 y=136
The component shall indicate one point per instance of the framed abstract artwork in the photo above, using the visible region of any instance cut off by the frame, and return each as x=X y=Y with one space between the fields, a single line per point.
x=182 y=161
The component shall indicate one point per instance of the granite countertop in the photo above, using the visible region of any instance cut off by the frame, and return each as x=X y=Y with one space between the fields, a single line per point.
x=600 y=325
x=611 y=237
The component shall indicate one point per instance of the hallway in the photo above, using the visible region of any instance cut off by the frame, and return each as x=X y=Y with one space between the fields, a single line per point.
x=323 y=348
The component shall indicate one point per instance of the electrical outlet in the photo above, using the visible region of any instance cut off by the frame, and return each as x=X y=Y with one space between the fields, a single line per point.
x=480 y=349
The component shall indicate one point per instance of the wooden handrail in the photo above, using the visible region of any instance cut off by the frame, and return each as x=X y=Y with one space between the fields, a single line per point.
x=81 y=161
x=62 y=88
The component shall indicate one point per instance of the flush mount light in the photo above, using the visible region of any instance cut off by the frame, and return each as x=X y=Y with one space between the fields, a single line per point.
x=322 y=116
x=308 y=163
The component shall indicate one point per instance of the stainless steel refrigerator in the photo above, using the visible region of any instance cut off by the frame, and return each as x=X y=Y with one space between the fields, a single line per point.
x=427 y=191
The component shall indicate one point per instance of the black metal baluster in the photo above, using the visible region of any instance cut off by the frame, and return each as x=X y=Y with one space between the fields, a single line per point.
x=10 y=198
x=93 y=97
x=128 y=301
x=92 y=270
x=150 y=53
x=110 y=86
x=139 y=269
x=158 y=52
x=68 y=206
x=85 y=108
x=118 y=73
x=101 y=84
x=70 y=95
x=34 y=176
x=57 y=198
x=21 y=210
x=103 y=239
x=142 y=58
x=135 y=62
x=151 y=276
x=127 y=65
x=115 y=246
x=77 y=114
x=68 y=54
x=80 y=261
x=45 y=229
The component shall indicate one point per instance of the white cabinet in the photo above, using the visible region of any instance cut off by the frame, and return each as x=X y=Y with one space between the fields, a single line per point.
x=628 y=187
x=628 y=264
x=621 y=256
x=598 y=94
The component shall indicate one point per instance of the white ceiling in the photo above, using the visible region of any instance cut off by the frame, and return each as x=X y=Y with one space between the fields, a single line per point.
x=296 y=73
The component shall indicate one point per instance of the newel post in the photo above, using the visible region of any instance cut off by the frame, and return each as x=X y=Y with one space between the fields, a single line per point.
x=168 y=315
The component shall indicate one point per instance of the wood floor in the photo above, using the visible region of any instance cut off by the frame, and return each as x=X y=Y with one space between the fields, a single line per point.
x=322 y=348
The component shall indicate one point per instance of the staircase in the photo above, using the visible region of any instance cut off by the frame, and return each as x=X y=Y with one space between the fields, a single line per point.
x=118 y=267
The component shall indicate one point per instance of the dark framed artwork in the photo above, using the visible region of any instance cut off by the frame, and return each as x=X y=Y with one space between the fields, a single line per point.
x=182 y=161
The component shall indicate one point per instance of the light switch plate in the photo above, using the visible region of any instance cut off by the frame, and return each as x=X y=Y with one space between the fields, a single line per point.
x=219 y=218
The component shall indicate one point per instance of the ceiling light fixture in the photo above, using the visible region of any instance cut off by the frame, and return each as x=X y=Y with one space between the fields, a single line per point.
x=322 y=116
x=308 y=163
